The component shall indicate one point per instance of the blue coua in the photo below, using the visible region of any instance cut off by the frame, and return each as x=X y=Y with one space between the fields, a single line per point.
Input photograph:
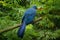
x=27 y=19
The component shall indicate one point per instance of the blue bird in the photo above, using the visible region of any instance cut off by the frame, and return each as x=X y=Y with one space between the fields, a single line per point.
x=27 y=19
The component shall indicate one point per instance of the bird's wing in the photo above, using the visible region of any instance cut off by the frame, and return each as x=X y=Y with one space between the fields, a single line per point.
x=30 y=12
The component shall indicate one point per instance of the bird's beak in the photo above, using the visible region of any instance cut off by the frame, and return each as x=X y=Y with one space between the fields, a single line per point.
x=39 y=8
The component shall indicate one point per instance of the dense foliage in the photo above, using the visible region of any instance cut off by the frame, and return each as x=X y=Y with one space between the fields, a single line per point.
x=11 y=12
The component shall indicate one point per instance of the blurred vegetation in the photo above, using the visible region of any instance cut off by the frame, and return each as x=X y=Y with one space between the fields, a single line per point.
x=11 y=12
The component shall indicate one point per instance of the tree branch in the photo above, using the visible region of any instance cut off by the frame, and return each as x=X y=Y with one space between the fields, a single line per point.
x=17 y=25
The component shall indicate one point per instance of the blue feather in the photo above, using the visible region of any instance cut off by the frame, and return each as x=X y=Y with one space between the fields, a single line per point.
x=27 y=19
x=29 y=15
x=21 y=30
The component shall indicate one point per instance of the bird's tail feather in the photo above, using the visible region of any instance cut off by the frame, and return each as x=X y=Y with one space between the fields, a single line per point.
x=21 y=30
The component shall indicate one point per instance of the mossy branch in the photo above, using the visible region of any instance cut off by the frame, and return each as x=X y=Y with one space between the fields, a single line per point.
x=17 y=25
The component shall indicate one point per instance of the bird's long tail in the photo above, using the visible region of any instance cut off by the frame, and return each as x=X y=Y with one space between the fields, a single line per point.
x=21 y=30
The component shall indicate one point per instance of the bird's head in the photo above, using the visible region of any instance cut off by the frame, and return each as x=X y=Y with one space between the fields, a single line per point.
x=38 y=8
x=35 y=7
